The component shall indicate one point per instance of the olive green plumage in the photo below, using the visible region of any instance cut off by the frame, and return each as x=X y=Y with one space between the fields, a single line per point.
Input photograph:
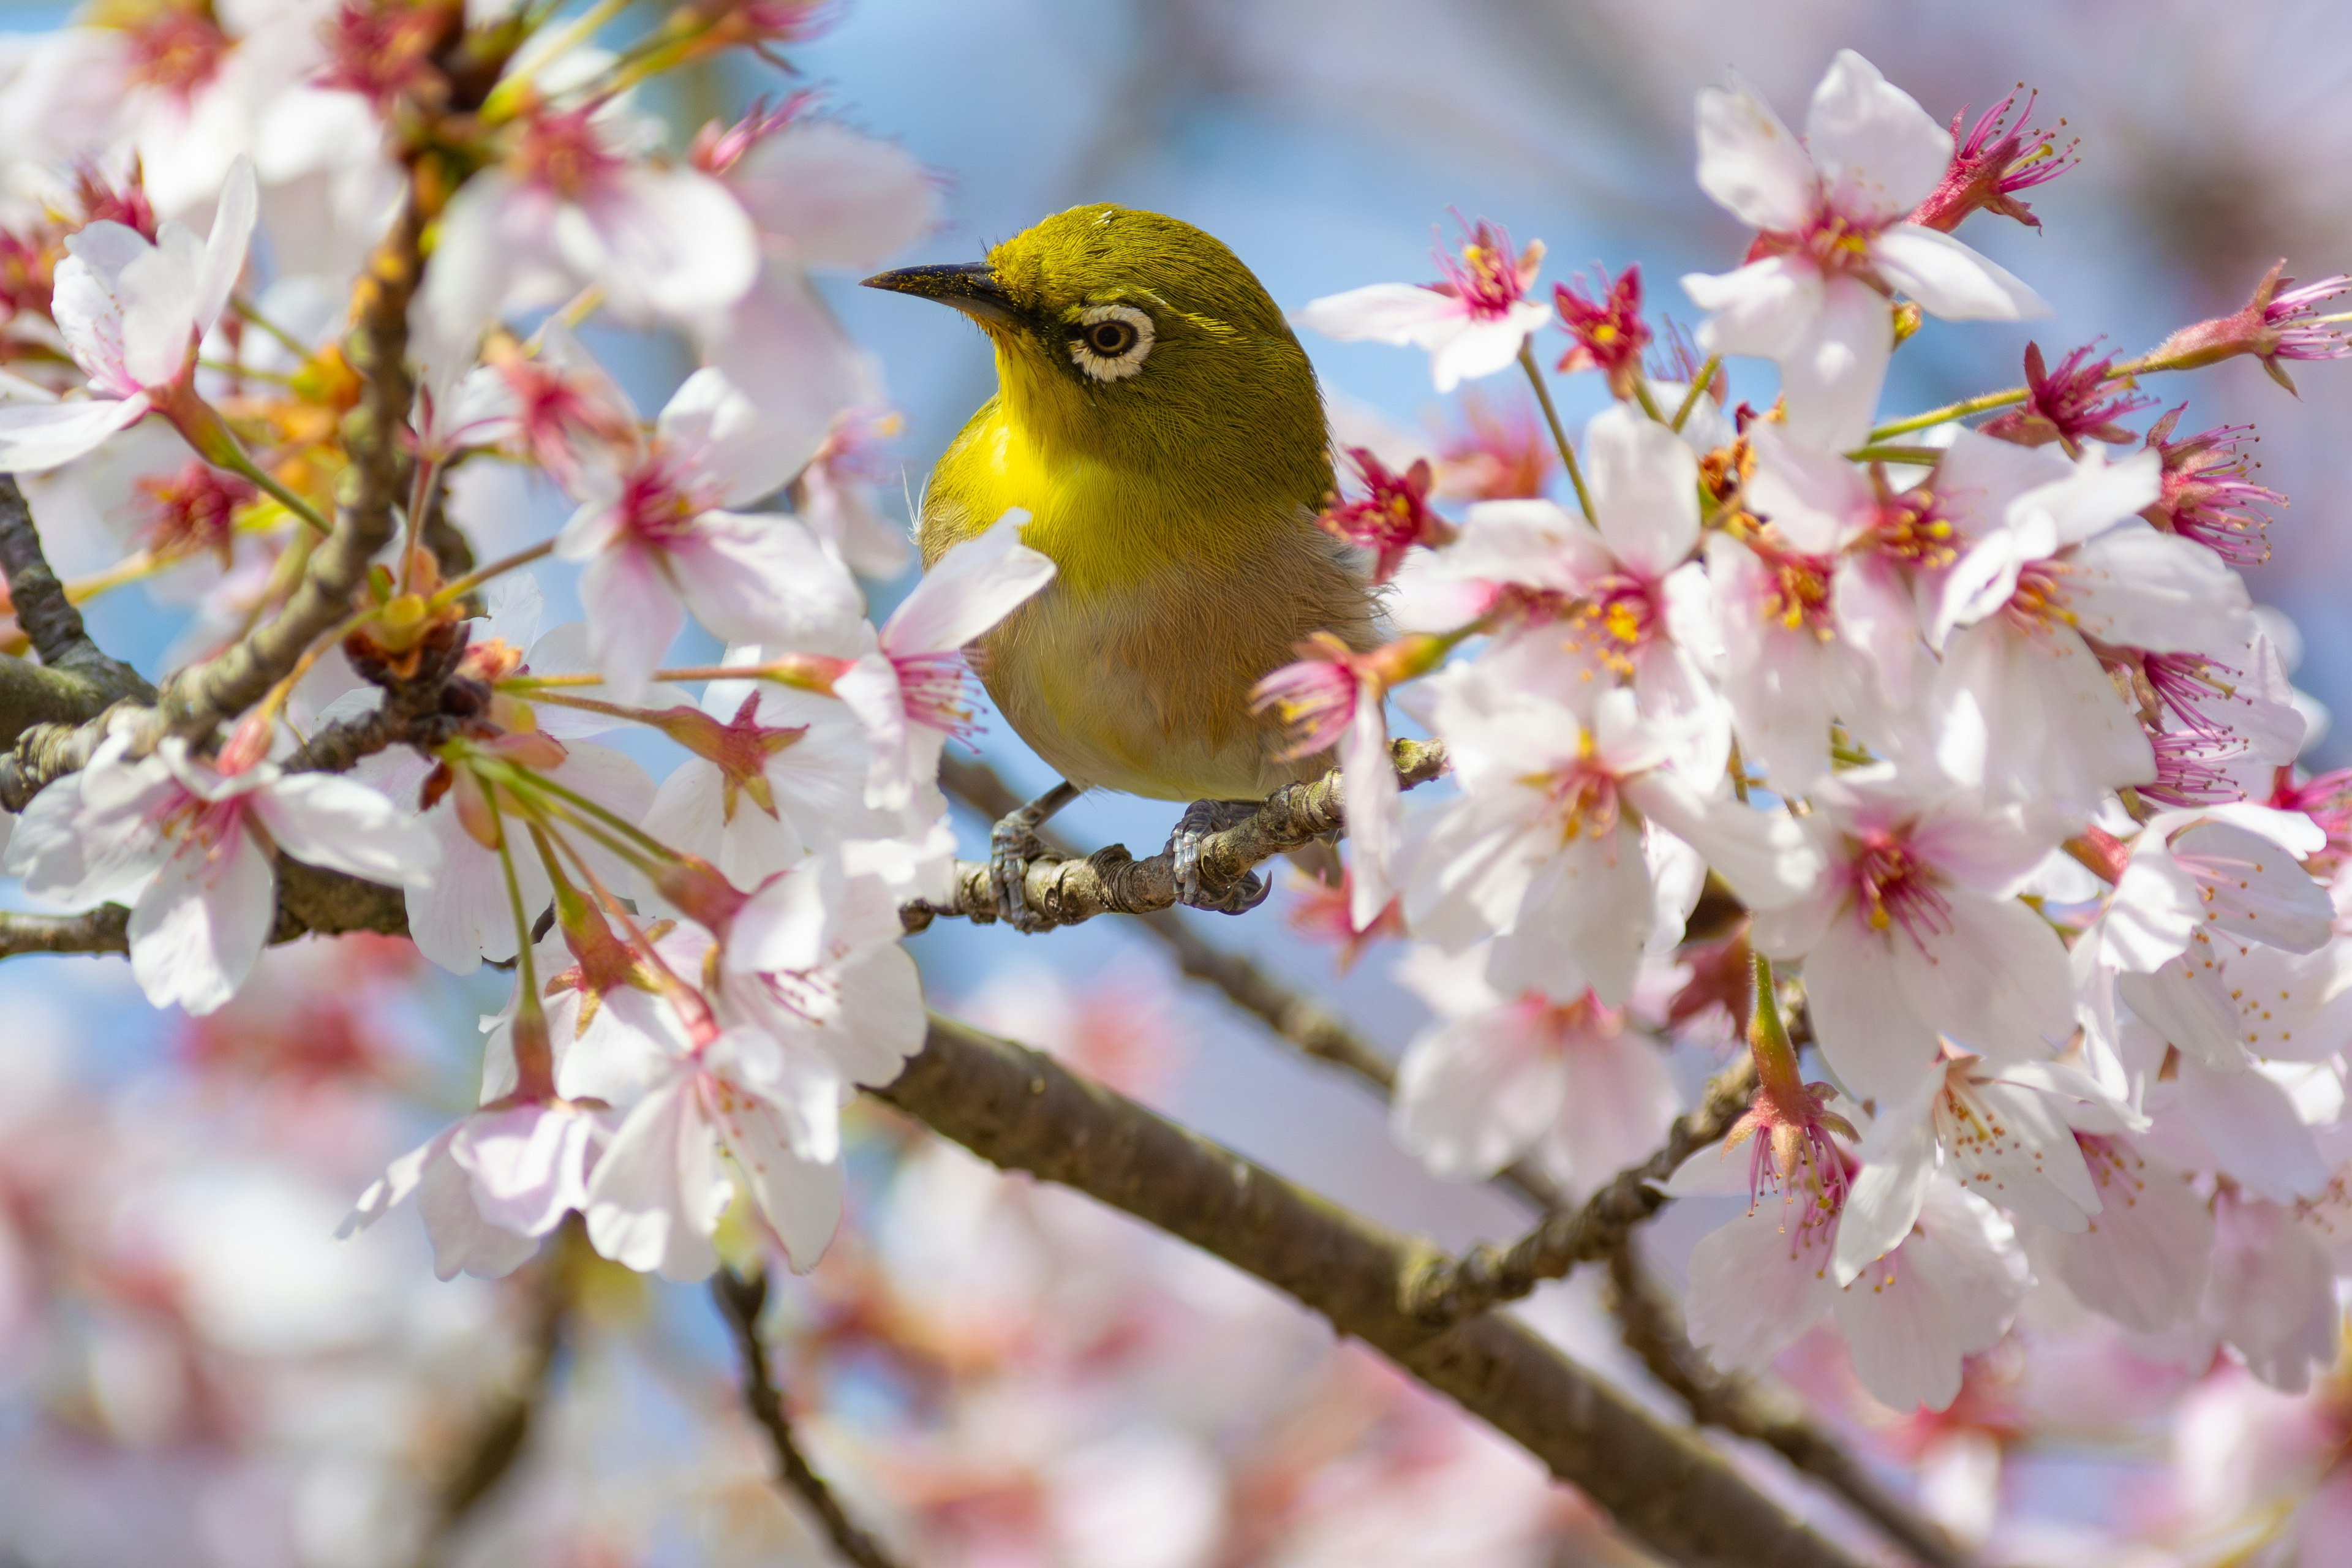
x=1172 y=465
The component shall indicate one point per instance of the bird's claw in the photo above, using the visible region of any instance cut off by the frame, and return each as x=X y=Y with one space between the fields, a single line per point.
x=1202 y=818
x=1011 y=845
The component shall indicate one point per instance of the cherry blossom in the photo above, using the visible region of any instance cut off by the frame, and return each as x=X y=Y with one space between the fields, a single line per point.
x=910 y=690
x=1496 y=1076
x=1473 y=324
x=657 y=535
x=191 y=844
x=1546 y=848
x=1912 y=933
x=571 y=207
x=132 y=312
x=1835 y=236
x=490 y=1187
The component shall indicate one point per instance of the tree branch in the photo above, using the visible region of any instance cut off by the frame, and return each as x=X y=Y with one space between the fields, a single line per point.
x=1742 y=1407
x=505 y=1427
x=1023 y=1111
x=105 y=929
x=1488 y=1275
x=1112 y=881
x=76 y=680
x=739 y=1300
x=227 y=684
x=1653 y=1330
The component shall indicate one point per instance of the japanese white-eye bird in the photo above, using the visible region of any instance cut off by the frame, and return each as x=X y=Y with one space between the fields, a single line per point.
x=1158 y=422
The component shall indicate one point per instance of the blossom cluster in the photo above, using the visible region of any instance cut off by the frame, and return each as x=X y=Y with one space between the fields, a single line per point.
x=706 y=968
x=1967 y=739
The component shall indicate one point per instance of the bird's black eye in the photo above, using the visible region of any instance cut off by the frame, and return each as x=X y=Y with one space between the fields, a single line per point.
x=1110 y=342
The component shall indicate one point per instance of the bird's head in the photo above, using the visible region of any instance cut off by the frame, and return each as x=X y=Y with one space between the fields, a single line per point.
x=1134 y=339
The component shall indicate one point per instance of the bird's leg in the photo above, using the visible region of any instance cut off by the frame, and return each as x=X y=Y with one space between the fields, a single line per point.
x=1202 y=818
x=1011 y=845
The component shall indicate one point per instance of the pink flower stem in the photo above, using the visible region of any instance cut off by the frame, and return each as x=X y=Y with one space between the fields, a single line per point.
x=690 y=1002
x=803 y=671
x=1767 y=1040
x=534 y=1059
x=1699 y=383
x=453 y=591
x=428 y=470
x=236 y=462
x=1558 y=435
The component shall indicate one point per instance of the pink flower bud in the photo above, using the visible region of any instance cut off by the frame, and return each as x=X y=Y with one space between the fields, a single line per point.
x=2276 y=324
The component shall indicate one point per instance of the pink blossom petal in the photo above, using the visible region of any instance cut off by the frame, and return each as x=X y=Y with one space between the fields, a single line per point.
x=1950 y=280
x=1878 y=152
x=1749 y=162
x=633 y=617
x=969 y=590
x=37 y=436
x=658 y=1189
x=197 y=931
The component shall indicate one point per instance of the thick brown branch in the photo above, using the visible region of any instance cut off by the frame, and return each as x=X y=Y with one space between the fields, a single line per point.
x=1487 y=1274
x=232 y=681
x=1112 y=881
x=75 y=679
x=105 y=929
x=1653 y=1330
x=1023 y=1111
x=739 y=1300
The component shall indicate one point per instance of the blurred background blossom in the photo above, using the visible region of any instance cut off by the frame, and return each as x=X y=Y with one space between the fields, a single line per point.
x=193 y=1370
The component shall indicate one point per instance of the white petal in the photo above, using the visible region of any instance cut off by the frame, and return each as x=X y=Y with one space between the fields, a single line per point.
x=1879 y=153
x=1760 y=1282
x=224 y=250
x=197 y=929
x=1769 y=307
x=2253 y=1128
x=969 y=590
x=633 y=617
x=1474 y=1094
x=1950 y=280
x=2138 y=588
x=1995 y=979
x=1749 y=161
x=37 y=436
x=763 y=577
x=658 y=1191
x=341 y=825
x=2251 y=887
x=2142 y=1260
x=1862 y=1017
x=1382 y=312
x=1899 y=1161
x=1832 y=378
x=670 y=242
x=1644 y=489
x=840 y=199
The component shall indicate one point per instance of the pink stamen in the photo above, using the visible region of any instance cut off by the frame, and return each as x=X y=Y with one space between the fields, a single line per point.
x=1489 y=277
x=1893 y=886
x=936 y=690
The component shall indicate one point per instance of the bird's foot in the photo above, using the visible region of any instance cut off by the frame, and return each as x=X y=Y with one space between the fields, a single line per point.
x=1201 y=819
x=1012 y=846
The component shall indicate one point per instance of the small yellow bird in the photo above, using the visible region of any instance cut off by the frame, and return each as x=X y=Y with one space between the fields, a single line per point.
x=1158 y=420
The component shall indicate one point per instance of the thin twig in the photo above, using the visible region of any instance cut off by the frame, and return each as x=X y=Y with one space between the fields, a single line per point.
x=1558 y=432
x=739 y=1300
x=105 y=929
x=505 y=1426
x=1488 y=1275
x=1112 y=881
x=1023 y=1111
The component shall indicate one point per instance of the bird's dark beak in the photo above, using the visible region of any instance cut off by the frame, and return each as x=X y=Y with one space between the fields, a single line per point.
x=971 y=287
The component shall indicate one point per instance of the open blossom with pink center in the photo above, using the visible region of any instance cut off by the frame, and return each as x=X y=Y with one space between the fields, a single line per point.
x=1496 y=454
x=2279 y=322
x=2207 y=493
x=655 y=532
x=557 y=407
x=1391 y=517
x=1473 y=324
x=913 y=689
x=491 y=1186
x=1991 y=163
x=814 y=997
x=1835 y=238
x=1912 y=935
x=192 y=512
x=2078 y=401
x=132 y=313
x=1636 y=604
x=1549 y=848
x=1325 y=912
x=2056 y=573
x=2006 y=1134
x=572 y=206
x=1606 y=325
x=1950 y=1289
x=1816 y=612
x=1494 y=1078
x=191 y=844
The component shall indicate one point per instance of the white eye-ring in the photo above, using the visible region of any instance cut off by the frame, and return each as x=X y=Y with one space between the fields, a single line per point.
x=1111 y=341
